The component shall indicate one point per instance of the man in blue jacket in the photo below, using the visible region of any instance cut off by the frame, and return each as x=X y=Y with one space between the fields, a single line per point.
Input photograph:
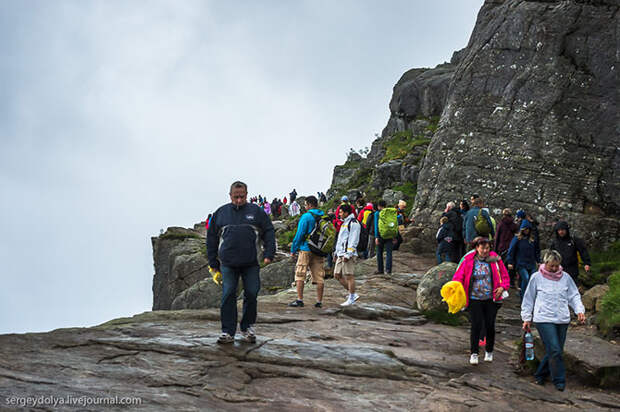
x=306 y=259
x=233 y=246
x=469 y=222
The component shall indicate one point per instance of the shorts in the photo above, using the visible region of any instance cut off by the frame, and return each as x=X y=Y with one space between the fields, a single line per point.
x=344 y=268
x=308 y=260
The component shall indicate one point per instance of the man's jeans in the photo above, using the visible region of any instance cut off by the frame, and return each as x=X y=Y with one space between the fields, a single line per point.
x=553 y=336
x=524 y=273
x=251 y=286
x=387 y=245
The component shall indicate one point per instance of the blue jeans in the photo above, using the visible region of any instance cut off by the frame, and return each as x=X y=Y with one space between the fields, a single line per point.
x=524 y=273
x=251 y=286
x=553 y=336
x=387 y=245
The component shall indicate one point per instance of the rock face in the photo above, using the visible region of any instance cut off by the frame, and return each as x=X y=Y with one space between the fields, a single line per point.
x=531 y=118
x=428 y=296
x=592 y=297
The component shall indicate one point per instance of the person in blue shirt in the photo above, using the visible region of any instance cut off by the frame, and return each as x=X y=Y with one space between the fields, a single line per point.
x=306 y=259
x=524 y=254
x=469 y=221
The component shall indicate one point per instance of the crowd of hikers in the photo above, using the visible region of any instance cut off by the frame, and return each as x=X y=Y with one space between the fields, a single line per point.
x=492 y=257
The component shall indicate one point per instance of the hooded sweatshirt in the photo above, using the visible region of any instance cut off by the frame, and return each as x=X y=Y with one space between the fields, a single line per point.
x=524 y=252
x=304 y=228
x=568 y=247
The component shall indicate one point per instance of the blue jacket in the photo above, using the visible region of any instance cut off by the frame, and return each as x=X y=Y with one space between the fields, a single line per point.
x=234 y=234
x=523 y=253
x=469 y=228
x=304 y=227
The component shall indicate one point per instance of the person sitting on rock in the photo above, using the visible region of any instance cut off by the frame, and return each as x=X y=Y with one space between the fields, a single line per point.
x=484 y=278
x=232 y=241
x=346 y=252
x=548 y=296
x=445 y=237
x=523 y=254
x=568 y=247
x=307 y=260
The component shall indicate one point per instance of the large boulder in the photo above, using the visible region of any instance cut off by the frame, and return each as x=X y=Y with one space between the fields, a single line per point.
x=277 y=276
x=592 y=297
x=428 y=292
x=202 y=295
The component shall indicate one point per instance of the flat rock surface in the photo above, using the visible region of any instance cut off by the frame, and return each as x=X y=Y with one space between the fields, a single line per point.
x=367 y=357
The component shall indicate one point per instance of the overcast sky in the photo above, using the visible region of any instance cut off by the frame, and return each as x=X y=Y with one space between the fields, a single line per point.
x=120 y=118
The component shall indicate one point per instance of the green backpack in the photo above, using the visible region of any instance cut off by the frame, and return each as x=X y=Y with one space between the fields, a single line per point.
x=482 y=225
x=388 y=223
x=321 y=239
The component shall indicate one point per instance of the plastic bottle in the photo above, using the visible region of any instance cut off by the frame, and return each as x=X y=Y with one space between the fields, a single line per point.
x=529 y=345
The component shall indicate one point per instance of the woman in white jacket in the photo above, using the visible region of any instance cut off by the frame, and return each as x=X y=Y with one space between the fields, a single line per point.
x=548 y=295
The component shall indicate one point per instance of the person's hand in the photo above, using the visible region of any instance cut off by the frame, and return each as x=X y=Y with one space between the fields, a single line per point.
x=581 y=317
x=267 y=261
x=377 y=241
x=587 y=268
x=498 y=292
x=526 y=325
x=510 y=266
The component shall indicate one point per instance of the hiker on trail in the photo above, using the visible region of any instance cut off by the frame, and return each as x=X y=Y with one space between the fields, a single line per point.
x=232 y=247
x=456 y=220
x=369 y=221
x=284 y=200
x=346 y=252
x=331 y=215
x=477 y=222
x=359 y=205
x=568 y=247
x=445 y=238
x=523 y=254
x=506 y=230
x=267 y=208
x=294 y=208
x=403 y=220
x=293 y=195
x=362 y=218
x=548 y=296
x=386 y=233
x=485 y=279
x=463 y=207
x=338 y=222
x=307 y=260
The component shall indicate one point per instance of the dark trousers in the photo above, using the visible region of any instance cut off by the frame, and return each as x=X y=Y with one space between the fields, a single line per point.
x=573 y=271
x=251 y=285
x=387 y=245
x=553 y=336
x=482 y=313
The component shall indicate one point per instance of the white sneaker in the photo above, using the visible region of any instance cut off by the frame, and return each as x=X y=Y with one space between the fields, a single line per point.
x=348 y=302
x=473 y=359
x=248 y=335
x=488 y=356
x=355 y=297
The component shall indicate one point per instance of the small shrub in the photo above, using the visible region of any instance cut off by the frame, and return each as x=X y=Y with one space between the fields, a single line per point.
x=609 y=317
x=401 y=144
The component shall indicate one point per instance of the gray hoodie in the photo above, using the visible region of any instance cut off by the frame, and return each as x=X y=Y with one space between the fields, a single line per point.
x=550 y=299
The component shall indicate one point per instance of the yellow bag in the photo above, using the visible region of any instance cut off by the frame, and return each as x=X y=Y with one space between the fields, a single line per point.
x=453 y=294
x=217 y=276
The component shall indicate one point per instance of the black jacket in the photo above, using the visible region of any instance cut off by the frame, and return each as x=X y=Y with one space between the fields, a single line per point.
x=568 y=247
x=234 y=234
x=445 y=238
x=456 y=220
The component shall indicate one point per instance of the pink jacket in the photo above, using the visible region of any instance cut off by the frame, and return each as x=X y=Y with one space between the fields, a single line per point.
x=466 y=268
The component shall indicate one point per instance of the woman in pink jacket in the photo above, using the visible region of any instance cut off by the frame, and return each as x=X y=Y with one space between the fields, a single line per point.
x=485 y=280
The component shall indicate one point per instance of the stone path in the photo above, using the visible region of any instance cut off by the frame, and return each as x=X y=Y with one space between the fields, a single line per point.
x=380 y=354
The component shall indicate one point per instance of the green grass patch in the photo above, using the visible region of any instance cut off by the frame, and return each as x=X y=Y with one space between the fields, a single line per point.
x=604 y=263
x=445 y=318
x=608 y=318
x=434 y=124
x=286 y=238
x=409 y=190
x=402 y=143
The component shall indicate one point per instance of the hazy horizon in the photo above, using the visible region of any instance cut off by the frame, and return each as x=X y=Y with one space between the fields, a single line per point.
x=118 y=120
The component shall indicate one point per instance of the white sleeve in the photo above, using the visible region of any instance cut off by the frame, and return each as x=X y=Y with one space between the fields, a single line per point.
x=574 y=298
x=354 y=238
x=529 y=297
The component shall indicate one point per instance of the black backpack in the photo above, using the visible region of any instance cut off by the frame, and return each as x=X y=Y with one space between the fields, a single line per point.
x=362 y=244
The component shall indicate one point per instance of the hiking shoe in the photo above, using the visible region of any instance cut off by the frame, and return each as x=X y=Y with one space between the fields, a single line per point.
x=297 y=303
x=355 y=297
x=482 y=342
x=248 y=335
x=318 y=305
x=473 y=359
x=488 y=356
x=560 y=387
x=348 y=302
x=378 y=273
x=389 y=272
x=540 y=382
x=225 y=338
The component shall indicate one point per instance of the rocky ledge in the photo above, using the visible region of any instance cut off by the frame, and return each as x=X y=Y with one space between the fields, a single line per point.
x=379 y=354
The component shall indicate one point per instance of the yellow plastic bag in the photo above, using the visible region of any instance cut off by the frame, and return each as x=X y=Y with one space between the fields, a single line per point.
x=454 y=295
x=217 y=276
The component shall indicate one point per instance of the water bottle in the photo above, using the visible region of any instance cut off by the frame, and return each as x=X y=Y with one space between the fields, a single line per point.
x=529 y=345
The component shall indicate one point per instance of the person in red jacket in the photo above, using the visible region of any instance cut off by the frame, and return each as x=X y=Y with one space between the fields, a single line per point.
x=485 y=279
